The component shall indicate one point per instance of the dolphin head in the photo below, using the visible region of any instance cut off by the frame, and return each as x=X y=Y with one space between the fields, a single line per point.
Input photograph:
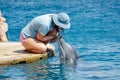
x=67 y=53
x=61 y=49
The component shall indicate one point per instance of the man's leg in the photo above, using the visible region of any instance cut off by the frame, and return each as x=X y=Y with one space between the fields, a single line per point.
x=34 y=45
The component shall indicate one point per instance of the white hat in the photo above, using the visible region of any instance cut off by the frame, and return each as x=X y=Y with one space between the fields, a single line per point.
x=62 y=20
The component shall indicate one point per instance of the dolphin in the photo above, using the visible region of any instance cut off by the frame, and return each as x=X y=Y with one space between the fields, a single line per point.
x=67 y=53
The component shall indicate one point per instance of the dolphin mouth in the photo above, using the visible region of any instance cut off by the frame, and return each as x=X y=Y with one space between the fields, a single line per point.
x=67 y=53
x=60 y=42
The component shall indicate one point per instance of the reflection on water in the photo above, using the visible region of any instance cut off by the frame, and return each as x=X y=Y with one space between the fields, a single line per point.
x=94 y=32
x=37 y=71
x=102 y=62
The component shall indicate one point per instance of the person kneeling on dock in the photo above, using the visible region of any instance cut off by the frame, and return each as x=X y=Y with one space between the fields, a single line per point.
x=3 y=28
x=42 y=30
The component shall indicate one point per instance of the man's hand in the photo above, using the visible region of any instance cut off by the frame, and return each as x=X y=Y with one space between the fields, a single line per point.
x=51 y=36
x=53 y=33
x=55 y=38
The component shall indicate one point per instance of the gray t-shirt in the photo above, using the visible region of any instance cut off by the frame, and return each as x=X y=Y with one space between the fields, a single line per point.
x=41 y=24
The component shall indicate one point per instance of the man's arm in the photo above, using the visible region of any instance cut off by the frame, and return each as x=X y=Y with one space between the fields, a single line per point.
x=49 y=37
x=44 y=39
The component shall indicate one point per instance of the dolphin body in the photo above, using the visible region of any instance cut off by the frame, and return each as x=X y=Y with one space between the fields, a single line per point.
x=67 y=53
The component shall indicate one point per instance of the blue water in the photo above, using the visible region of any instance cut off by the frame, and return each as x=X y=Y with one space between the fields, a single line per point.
x=94 y=33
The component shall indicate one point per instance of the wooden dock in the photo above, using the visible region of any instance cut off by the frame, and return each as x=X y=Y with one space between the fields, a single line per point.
x=14 y=53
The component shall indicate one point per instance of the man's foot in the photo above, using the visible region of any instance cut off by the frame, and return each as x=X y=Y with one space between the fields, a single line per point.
x=50 y=52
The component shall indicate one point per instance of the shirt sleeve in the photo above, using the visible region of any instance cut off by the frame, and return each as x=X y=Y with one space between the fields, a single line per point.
x=43 y=30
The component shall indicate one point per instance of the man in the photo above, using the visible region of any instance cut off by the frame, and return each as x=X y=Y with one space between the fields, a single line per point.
x=43 y=29
x=3 y=28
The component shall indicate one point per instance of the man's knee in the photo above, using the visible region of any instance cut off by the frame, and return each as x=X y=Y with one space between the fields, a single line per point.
x=42 y=49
